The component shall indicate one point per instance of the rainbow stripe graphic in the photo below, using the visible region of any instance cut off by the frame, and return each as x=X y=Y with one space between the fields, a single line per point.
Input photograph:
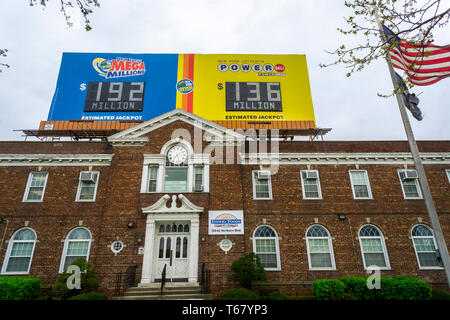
x=186 y=71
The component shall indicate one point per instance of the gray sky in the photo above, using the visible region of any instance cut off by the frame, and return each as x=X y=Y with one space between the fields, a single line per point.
x=37 y=38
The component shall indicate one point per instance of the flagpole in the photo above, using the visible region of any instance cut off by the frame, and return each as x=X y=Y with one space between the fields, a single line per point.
x=423 y=182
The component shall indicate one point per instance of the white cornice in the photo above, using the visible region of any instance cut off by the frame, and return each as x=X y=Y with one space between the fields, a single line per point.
x=218 y=132
x=128 y=142
x=160 y=159
x=343 y=158
x=56 y=159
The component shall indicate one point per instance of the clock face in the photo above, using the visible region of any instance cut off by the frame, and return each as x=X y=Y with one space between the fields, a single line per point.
x=177 y=155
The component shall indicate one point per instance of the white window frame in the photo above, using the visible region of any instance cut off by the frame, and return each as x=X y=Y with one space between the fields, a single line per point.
x=254 y=185
x=194 y=174
x=415 y=250
x=319 y=188
x=448 y=174
x=416 y=181
x=277 y=245
x=383 y=246
x=9 y=249
x=66 y=246
x=159 y=160
x=150 y=167
x=330 y=248
x=366 y=179
x=27 y=188
x=79 y=187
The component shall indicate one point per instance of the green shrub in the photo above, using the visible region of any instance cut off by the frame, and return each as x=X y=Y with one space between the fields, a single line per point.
x=391 y=288
x=238 y=294
x=89 y=296
x=19 y=288
x=344 y=296
x=276 y=295
x=89 y=281
x=439 y=295
x=327 y=289
x=357 y=287
x=247 y=269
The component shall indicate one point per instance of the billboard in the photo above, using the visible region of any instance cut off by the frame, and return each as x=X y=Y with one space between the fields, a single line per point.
x=115 y=86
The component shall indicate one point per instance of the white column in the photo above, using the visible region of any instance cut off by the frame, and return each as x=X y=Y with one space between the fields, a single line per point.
x=160 y=179
x=190 y=177
x=193 y=251
x=144 y=179
x=206 y=178
x=148 y=251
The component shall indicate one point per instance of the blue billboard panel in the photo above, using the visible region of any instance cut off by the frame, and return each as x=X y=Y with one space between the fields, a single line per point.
x=114 y=86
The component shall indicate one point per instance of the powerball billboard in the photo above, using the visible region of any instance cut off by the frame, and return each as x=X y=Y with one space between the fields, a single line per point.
x=114 y=86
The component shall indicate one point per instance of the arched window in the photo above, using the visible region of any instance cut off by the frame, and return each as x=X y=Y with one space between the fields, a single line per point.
x=176 y=174
x=20 y=252
x=425 y=247
x=77 y=245
x=178 y=248
x=320 y=248
x=373 y=247
x=161 y=248
x=265 y=245
x=185 y=247
x=176 y=169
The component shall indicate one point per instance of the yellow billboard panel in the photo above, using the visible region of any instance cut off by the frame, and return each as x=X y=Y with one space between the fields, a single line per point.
x=245 y=87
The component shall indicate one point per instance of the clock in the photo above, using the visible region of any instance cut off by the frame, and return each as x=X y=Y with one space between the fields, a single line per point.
x=177 y=155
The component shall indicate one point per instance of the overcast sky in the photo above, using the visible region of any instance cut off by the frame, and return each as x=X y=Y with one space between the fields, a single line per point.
x=37 y=38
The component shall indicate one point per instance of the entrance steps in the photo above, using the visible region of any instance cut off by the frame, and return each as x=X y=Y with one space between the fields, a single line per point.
x=170 y=292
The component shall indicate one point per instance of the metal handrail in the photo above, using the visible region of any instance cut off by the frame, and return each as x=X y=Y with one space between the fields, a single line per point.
x=206 y=279
x=163 y=278
x=130 y=279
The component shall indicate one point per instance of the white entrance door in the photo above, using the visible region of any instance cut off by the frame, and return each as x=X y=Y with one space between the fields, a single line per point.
x=172 y=250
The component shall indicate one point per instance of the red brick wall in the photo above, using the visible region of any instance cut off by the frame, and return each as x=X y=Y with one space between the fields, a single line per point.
x=119 y=202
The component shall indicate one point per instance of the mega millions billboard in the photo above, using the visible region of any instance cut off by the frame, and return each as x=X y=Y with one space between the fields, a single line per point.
x=115 y=86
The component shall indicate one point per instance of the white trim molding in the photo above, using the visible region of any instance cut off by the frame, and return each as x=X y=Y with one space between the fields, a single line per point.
x=342 y=158
x=129 y=142
x=160 y=212
x=218 y=133
x=30 y=160
x=160 y=206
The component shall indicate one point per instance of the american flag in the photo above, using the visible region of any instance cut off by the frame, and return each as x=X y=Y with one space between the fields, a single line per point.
x=423 y=64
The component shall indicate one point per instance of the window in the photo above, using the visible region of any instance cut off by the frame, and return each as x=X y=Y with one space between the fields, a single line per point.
x=35 y=186
x=117 y=246
x=320 y=249
x=198 y=179
x=87 y=187
x=262 y=188
x=77 y=245
x=153 y=178
x=19 y=252
x=176 y=176
x=310 y=184
x=410 y=184
x=265 y=245
x=360 y=184
x=448 y=174
x=373 y=247
x=176 y=169
x=425 y=247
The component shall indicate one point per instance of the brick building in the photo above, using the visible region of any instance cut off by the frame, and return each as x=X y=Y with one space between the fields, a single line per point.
x=309 y=209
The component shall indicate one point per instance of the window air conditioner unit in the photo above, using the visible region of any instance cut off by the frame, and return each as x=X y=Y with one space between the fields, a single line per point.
x=309 y=174
x=263 y=175
x=198 y=188
x=87 y=176
x=408 y=174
